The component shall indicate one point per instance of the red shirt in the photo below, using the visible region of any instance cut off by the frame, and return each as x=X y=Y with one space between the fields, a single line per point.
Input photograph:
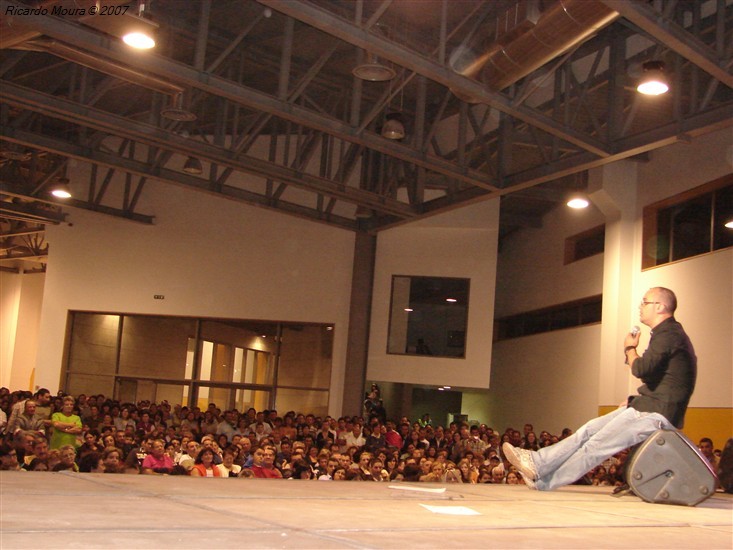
x=268 y=473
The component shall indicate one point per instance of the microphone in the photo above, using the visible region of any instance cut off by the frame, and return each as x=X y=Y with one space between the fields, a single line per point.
x=635 y=330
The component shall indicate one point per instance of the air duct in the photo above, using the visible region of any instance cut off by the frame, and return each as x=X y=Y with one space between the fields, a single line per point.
x=525 y=41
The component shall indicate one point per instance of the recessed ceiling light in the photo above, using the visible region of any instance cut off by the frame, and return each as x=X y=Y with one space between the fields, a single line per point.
x=451 y=300
x=578 y=203
x=139 y=40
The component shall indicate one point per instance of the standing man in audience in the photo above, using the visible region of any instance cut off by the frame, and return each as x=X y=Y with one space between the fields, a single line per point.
x=668 y=369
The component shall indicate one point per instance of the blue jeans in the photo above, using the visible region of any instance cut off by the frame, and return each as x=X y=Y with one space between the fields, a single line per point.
x=571 y=458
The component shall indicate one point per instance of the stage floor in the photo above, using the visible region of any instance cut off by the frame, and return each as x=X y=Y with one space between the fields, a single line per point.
x=42 y=510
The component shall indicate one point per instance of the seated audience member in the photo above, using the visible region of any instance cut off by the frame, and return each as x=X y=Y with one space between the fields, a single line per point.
x=411 y=471
x=513 y=478
x=135 y=458
x=192 y=451
x=725 y=467
x=40 y=452
x=468 y=475
x=228 y=468
x=8 y=458
x=157 y=461
x=437 y=473
x=28 y=420
x=36 y=465
x=208 y=442
x=90 y=444
x=42 y=400
x=301 y=470
x=92 y=463
x=497 y=474
x=112 y=461
x=268 y=464
x=23 y=443
x=67 y=462
x=706 y=448
x=204 y=465
x=484 y=475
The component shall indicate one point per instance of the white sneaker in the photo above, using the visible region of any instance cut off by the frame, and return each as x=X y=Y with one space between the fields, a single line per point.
x=522 y=460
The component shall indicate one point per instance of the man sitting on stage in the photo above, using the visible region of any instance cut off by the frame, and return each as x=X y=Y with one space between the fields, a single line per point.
x=667 y=368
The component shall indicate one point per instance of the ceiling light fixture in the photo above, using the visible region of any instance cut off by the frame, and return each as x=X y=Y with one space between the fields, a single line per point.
x=729 y=224
x=139 y=40
x=61 y=189
x=363 y=213
x=373 y=71
x=136 y=31
x=193 y=166
x=578 y=202
x=139 y=33
x=176 y=111
x=451 y=300
x=393 y=127
x=653 y=80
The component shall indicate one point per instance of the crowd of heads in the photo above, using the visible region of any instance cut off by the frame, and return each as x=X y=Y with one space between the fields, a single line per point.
x=98 y=434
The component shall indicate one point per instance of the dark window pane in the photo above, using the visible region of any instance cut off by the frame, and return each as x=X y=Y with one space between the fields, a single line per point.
x=590 y=245
x=722 y=235
x=570 y=314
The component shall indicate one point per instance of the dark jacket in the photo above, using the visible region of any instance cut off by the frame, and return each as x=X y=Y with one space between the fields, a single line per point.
x=668 y=370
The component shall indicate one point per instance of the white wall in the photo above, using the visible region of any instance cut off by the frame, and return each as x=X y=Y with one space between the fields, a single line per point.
x=532 y=274
x=10 y=284
x=21 y=298
x=208 y=257
x=460 y=243
x=550 y=379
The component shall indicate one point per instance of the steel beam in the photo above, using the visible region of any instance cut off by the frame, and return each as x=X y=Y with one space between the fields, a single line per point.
x=187 y=75
x=358 y=36
x=152 y=135
x=143 y=169
x=674 y=37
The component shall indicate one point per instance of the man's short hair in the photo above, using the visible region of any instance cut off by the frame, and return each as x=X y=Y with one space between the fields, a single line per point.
x=667 y=297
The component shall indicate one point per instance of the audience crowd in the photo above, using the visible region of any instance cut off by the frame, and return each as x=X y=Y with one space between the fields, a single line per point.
x=42 y=432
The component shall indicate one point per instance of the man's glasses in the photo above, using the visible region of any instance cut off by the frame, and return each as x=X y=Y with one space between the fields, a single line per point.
x=643 y=303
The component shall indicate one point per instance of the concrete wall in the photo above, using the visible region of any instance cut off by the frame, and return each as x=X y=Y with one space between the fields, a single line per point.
x=21 y=299
x=208 y=257
x=461 y=243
